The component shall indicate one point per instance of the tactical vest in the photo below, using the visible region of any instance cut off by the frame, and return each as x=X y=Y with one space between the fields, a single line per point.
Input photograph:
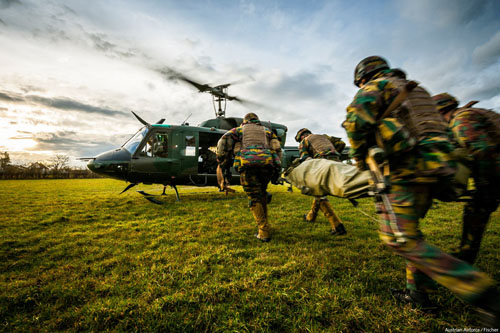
x=492 y=121
x=255 y=151
x=418 y=112
x=320 y=143
x=254 y=135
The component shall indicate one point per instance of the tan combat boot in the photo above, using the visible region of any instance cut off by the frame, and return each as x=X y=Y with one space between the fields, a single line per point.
x=313 y=213
x=259 y=213
x=337 y=228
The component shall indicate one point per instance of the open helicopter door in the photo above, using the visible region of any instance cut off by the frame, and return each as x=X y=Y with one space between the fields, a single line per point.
x=207 y=150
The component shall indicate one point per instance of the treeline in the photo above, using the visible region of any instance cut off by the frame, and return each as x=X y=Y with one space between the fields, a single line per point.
x=55 y=168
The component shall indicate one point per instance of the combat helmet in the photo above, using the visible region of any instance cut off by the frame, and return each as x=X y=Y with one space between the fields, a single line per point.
x=368 y=67
x=300 y=132
x=250 y=116
x=445 y=102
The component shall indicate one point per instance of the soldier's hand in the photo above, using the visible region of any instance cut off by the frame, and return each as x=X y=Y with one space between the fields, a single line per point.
x=361 y=165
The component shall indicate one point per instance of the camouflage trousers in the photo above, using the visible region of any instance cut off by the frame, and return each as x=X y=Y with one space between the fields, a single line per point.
x=254 y=182
x=426 y=263
x=475 y=219
x=325 y=206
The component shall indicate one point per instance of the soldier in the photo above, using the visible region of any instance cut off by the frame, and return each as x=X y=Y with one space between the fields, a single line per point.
x=327 y=147
x=417 y=150
x=257 y=157
x=477 y=132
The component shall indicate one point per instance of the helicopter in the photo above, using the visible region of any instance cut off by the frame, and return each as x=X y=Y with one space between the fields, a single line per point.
x=173 y=155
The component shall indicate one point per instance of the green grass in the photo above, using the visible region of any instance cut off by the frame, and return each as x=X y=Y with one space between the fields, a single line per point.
x=75 y=255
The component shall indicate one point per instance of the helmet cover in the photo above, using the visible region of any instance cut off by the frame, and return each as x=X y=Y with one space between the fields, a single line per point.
x=369 y=66
x=300 y=132
x=445 y=102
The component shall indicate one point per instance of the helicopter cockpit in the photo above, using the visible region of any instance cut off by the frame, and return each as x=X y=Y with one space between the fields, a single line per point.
x=156 y=145
x=135 y=140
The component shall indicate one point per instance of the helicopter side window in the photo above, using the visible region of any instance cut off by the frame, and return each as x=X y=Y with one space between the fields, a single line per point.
x=160 y=145
x=190 y=145
x=156 y=146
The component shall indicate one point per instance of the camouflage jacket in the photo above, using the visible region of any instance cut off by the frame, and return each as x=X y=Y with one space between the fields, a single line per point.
x=426 y=161
x=472 y=131
x=306 y=150
x=230 y=146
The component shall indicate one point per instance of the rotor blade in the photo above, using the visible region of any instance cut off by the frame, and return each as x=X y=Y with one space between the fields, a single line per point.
x=240 y=81
x=161 y=121
x=199 y=86
x=140 y=119
x=171 y=74
x=245 y=102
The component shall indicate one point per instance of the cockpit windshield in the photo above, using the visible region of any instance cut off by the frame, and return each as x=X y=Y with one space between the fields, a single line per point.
x=133 y=142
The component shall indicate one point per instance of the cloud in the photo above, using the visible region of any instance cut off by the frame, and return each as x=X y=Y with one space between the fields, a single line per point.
x=7 y=97
x=301 y=86
x=59 y=141
x=7 y=3
x=59 y=103
x=103 y=44
x=488 y=53
x=444 y=12
x=69 y=142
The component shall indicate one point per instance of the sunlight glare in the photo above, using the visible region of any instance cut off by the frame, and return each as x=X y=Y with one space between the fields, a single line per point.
x=20 y=144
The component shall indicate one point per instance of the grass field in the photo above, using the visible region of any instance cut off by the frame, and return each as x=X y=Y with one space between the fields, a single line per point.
x=75 y=255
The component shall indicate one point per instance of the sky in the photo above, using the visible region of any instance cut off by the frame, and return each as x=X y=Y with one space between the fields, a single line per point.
x=71 y=71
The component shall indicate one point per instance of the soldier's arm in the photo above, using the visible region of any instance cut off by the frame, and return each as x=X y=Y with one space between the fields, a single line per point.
x=362 y=114
x=304 y=150
x=225 y=148
x=275 y=144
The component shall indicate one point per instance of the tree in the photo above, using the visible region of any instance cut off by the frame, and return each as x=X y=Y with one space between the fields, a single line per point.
x=4 y=160
x=59 y=162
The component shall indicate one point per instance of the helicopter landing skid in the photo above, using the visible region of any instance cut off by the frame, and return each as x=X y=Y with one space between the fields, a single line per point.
x=151 y=197
x=129 y=186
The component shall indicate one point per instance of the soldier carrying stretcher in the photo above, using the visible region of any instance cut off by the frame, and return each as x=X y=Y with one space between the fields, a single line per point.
x=325 y=147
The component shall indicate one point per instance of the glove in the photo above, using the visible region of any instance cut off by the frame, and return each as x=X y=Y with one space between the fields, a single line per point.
x=275 y=178
x=361 y=165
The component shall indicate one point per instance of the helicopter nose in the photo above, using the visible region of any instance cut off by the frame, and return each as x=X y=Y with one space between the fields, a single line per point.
x=113 y=163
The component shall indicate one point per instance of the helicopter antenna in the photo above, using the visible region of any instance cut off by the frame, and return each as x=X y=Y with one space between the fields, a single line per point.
x=184 y=122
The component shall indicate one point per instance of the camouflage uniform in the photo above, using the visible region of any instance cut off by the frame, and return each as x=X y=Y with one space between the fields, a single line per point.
x=417 y=170
x=327 y=147
x=257 y=157
x=475 y=132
